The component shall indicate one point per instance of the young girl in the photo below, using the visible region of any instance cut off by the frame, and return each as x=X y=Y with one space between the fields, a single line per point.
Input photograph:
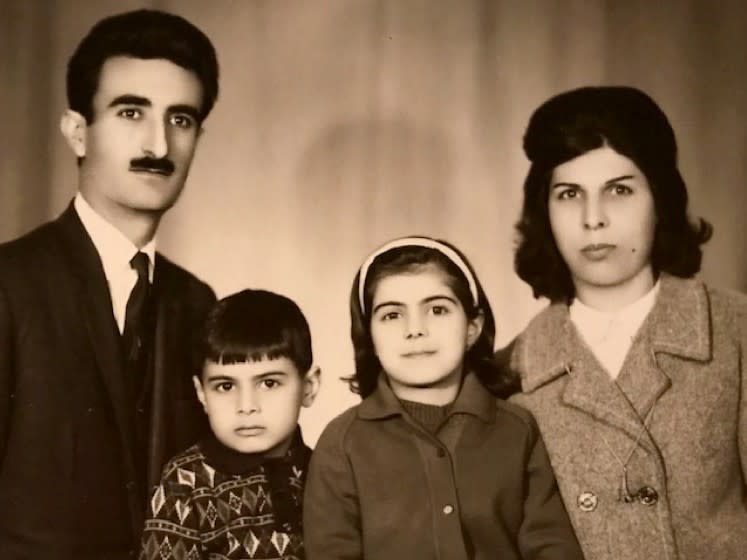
x=429 y=465
x=636 y=373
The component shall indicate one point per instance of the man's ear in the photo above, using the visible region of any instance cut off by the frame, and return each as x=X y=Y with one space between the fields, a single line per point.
x=73 y=128
x=474 y=328
x=311 y=383
x=200 y=392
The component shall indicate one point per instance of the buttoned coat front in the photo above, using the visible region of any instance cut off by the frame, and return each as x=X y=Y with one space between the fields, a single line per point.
x=676 y=417
x=381 y=487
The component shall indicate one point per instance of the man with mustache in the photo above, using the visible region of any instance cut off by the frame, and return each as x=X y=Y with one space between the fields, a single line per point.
x=96 y=327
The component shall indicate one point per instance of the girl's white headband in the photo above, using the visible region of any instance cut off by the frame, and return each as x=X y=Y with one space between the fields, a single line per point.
x=427 y=242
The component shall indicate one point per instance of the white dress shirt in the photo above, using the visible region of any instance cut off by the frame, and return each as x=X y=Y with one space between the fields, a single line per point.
x=115 y=252
x=609 y=335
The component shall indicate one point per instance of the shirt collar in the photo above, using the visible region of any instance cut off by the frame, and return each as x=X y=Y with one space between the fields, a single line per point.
x=472 y=399
x=679 y=324
x=113 y=247
x=593 y=323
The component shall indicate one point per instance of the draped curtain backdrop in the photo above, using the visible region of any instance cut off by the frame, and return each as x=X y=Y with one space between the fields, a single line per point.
x=343 y=123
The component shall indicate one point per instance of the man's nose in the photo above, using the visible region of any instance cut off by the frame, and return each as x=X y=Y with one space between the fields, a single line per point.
x=156 y=143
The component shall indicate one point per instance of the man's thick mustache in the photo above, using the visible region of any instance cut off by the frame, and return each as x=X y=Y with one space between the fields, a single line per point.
x=160 y=165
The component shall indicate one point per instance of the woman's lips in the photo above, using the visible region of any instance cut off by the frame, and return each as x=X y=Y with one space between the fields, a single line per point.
x=598 y=251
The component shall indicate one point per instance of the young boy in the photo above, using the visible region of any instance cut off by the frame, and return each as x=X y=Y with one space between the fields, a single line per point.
x=237 y=493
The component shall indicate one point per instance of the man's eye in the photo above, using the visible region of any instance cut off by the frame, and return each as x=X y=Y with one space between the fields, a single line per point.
x=130 y=113
x=182 y=121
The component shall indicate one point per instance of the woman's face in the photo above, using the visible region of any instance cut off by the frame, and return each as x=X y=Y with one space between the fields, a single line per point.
x=603 y=219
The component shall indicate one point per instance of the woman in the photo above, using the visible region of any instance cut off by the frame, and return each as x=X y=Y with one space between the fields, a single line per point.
x=636 y=372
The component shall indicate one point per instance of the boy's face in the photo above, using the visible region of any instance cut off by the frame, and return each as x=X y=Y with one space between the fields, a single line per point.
x=253 y=407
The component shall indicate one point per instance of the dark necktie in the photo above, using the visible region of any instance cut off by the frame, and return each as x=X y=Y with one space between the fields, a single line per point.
x=136 y=323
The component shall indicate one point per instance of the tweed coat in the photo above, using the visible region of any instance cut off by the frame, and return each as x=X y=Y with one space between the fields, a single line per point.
x=686 y=372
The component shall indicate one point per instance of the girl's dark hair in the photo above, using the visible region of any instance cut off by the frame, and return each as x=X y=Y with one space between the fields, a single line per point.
x=252 y=325
x=631 y=123
x=410 y=258
x=146 y=34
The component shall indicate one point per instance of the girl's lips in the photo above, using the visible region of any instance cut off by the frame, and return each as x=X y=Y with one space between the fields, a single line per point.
x=419 y=354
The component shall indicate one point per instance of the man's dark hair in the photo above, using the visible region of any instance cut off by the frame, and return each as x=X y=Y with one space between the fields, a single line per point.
x=146 y=34
x=253 y=325
x=631 y=123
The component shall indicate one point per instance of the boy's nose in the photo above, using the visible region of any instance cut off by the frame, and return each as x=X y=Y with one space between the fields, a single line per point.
x=248 y=401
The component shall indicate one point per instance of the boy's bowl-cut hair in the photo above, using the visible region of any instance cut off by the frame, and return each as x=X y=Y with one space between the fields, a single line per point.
x=146 y=34
x=253 y=325
x=631 y=123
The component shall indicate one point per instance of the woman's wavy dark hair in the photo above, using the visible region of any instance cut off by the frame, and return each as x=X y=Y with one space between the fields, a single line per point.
x=479 y=357
x=631 y=123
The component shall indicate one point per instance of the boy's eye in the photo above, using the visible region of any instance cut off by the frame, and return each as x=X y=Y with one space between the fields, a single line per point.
x=181 y=120
x=224 y=386
x=269 y=383
x=130 y=113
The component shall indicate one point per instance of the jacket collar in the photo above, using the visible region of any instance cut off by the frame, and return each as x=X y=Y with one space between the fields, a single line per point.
x=472 y=399
x=679 y=324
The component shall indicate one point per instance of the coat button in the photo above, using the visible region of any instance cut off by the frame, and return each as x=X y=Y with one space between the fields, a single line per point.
x=647 y=496
x=440 y=452
x=448 y=509
x=587 y=501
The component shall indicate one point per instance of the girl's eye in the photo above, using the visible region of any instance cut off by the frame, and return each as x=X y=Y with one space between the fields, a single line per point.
x=621 y=190
x=130 y=113
x=224 y=386
x=390 y=315
x=182 y=121
x=439 y=310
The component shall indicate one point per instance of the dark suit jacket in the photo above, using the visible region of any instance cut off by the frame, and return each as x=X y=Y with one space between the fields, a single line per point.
x=66 y=431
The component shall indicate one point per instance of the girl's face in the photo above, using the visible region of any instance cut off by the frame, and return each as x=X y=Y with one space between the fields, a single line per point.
x=420 y=333
x=603 y=219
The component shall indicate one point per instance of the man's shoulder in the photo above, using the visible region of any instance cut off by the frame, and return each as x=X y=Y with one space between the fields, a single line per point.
x=30 y=245
x=174 y=277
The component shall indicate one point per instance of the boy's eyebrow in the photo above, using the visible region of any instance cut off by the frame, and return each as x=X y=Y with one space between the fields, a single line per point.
x=219 y=377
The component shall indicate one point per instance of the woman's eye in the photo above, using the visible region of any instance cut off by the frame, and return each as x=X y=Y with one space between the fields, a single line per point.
x=567 y=193
x=439 y=310
x=621 y=189
x=390 y=316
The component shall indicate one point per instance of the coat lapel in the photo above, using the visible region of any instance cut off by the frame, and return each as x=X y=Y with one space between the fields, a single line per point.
x=96 y=310
x=677 y=325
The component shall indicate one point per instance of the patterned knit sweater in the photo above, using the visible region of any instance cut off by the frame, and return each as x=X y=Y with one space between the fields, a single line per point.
x=215 y=503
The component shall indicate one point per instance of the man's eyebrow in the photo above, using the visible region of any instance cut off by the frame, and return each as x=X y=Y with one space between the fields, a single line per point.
x=129 y=99
x=186 y=109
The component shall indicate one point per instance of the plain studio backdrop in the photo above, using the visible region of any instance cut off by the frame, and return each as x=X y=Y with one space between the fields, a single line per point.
x=343 y=123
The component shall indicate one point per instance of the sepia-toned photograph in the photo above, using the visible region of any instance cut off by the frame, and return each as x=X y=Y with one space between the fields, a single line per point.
x=373 y=279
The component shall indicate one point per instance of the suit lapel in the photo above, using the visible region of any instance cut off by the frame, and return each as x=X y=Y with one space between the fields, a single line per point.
x=166 y=313
x=96 y=310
